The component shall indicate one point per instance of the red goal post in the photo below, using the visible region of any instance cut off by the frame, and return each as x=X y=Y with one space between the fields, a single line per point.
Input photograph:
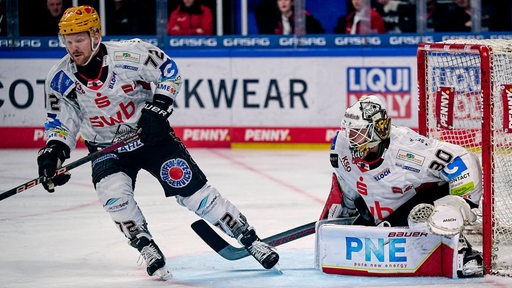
x=465 y=97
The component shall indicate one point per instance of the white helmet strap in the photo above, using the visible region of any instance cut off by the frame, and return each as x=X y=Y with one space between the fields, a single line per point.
x=94 y=48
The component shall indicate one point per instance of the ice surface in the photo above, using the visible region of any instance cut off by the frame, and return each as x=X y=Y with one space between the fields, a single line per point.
x=65 y=239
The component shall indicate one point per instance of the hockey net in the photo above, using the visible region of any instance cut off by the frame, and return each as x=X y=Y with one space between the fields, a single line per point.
x=465 y=97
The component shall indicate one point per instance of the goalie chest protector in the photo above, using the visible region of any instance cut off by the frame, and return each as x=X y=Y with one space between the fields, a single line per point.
x=383 y=251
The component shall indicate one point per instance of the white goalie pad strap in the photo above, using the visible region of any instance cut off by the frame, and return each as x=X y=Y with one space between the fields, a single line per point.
x=208 y=204
x=450 y=215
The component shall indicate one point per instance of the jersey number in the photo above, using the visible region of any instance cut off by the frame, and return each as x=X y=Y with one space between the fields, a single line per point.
x=150 y=60
x=443 y=157
x=54 y=102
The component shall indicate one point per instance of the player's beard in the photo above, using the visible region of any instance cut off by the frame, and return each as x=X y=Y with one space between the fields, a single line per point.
x=80 y=58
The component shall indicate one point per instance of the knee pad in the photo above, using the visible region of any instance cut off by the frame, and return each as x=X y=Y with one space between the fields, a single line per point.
x=115 y=194
x=208 y=204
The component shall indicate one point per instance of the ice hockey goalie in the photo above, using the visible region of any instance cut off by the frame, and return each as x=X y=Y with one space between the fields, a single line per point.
x=406 y=199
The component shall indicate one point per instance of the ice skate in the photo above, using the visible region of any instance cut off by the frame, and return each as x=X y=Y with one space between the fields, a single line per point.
x=153 y=257
x=470 y=261
x=262 y=252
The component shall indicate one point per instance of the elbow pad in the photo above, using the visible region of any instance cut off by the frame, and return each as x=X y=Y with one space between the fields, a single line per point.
x=464 y=175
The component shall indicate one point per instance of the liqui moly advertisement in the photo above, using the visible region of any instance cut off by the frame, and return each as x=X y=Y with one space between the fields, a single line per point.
x=393 y=84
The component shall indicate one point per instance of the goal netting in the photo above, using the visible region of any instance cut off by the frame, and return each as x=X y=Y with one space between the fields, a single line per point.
x=465 y=97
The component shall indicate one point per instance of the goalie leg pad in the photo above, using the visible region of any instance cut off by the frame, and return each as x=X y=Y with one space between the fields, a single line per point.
x=115 y=194
x=332 y=206
x=208 y=204
x=383 y=251
x=470 y=261
x=338 y=203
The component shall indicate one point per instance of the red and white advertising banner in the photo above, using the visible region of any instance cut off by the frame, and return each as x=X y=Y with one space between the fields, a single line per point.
x=213 y=137
x=506 y=98
x=444 y=107
x=226 y=101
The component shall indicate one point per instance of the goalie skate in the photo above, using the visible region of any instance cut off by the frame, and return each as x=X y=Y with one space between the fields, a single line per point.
x=470 y=262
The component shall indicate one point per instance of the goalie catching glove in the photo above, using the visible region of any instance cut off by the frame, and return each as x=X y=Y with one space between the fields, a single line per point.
x=153 y=120
x=446 y=217
x=49 y=160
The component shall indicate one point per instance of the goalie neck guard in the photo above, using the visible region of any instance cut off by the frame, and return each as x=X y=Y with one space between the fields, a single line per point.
x=366 y=124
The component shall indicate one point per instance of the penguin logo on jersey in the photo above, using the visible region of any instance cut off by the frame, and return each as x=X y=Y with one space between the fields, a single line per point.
x=176 y=172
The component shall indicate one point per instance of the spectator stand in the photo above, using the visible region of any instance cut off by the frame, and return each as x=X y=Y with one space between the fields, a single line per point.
x=325 y=11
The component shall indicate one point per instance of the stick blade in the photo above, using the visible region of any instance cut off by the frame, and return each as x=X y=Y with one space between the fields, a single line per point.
x=216 y=242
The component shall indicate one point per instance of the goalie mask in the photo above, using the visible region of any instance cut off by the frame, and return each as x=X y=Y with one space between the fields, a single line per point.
x=366 y=124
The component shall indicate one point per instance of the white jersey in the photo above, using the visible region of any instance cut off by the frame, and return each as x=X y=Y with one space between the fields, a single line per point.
x=136 y=70
x=409 y=161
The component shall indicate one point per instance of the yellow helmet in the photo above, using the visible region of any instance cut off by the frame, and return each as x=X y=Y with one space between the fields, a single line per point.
x=80 y=19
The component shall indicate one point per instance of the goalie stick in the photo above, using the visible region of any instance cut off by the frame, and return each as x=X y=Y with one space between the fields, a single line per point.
x=224 y=249
x=72 y=165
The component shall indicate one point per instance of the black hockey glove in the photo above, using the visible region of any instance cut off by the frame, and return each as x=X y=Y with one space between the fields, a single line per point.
x=153 y=120
x=49 y=159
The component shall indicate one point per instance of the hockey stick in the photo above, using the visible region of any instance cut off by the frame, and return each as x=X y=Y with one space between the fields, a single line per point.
x=224 y=249
x=72 y=165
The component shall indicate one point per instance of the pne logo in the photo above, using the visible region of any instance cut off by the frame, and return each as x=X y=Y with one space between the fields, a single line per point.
x=379 y=249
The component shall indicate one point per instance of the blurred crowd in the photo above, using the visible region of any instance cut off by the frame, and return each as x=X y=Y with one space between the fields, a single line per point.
x=198 y=17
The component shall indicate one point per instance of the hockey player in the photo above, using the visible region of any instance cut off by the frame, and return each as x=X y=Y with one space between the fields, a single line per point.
x=385 y=172
x=104 y=89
